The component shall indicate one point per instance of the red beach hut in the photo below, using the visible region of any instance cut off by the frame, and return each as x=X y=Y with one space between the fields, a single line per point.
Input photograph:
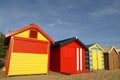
x=68 y=56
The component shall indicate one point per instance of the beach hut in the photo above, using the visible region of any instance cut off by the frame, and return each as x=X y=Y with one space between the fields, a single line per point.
x=110 y=57
x=68 y=56
x=28 y=52
x=118 y=50
x=94 y=57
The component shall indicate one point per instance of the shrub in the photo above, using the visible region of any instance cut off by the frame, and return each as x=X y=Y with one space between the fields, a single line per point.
x=1 y=64
x=2 y=55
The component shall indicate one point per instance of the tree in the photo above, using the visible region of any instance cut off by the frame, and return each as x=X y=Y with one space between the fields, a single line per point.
x=3 y=48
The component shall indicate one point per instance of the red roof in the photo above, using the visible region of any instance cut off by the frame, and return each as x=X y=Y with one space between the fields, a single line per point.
x=31 y=26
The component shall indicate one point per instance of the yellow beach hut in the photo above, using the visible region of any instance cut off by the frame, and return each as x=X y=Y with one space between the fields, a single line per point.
x=94 y=57
x=28 y=52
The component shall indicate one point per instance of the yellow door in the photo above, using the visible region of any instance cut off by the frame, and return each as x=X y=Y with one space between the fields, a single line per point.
x=99 y=61
x=94 y=60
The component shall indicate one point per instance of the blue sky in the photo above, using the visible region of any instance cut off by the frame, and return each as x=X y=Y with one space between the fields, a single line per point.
x=93 y=21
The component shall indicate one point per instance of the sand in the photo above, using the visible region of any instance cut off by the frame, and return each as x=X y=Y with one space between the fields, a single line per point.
x=96 y=75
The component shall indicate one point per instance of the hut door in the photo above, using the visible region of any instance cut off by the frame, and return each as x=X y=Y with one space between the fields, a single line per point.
x=94 y=60
x=97 y=59
x=79 y=59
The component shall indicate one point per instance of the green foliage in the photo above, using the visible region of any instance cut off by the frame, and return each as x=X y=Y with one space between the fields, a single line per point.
x=3 y=48
x=2 y=55
x=1 y=64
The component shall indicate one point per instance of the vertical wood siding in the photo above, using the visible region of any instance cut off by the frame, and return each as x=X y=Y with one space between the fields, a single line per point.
x=113 y=60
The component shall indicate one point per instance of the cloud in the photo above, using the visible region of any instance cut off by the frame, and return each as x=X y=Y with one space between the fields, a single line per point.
x=57 y=22
x=51 y=25
x=106 y=11
x=69 y=7
x=60 y=22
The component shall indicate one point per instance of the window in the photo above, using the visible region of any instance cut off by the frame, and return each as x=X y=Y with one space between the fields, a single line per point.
x=33 y=34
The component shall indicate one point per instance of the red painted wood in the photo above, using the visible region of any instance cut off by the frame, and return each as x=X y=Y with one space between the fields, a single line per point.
x=55 y=59
x=7 y=63
x=68 y=59
x=30 y=45
x=83 y=60
x=33 y=34
x=48 y=51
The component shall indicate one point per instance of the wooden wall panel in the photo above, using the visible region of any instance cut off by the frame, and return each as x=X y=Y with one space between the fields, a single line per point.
x=30 y=46
x=41 y=37
x=113 y=60
x=22 y=63
x=55 y=59
x=106 y=61
x=24 y=34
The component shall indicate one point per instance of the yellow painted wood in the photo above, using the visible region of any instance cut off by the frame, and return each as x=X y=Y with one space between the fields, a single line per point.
x=94 y=59
x=97 y=59
x=95 y=46
x=24 y=34
x=41 y=37
x=25 y=63
x=99 y=56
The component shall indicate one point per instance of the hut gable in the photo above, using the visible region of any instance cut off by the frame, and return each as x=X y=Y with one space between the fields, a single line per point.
x=94 y=46
x=108 y=49
x=31 y=31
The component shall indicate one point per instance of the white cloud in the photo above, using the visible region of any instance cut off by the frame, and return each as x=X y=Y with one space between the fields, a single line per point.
x=57 y=22
x=104 y=12
x=69 y=7
x=51 y=25
x=60 y=22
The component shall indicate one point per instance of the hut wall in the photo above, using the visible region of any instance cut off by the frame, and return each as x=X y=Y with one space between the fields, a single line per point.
x=106 y=61
x=113 y=60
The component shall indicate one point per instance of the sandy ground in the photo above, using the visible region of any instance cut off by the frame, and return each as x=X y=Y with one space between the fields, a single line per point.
x=96 y=75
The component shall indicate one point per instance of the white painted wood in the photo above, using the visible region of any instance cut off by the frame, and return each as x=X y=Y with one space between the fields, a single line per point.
x=77 y=58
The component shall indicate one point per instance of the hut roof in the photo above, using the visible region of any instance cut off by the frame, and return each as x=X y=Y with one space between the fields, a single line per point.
x=95 y=44
x=108 y=49
x=66 y=41
x=118 y=50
